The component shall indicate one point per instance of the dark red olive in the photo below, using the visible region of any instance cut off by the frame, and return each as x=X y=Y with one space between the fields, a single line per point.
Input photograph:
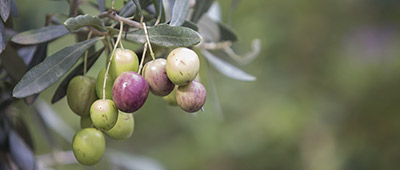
x=130 y=91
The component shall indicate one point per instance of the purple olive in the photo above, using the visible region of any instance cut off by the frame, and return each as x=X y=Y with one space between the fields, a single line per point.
x=130 y=91
x=155 y=73
x=191 y=97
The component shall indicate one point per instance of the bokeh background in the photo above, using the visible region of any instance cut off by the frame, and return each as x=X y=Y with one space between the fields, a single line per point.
x=326 y=95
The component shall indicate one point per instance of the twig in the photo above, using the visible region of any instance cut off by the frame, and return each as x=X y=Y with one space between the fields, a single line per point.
x=118 y=18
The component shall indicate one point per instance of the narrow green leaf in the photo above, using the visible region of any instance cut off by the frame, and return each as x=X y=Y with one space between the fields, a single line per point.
x=2 y=37
x=200 y=8
x=74 y=24
x=190 y=25
x=158 y=4
x=227 y=33
x=166 y=36
x=13 y=64
x=138 y=7
x=128 y=9
x=102 y=5
x=179 y=12
x=14 y=9
x=40 y=35
x=209 y=29
x=62 y=88
x=51 y=69
x=226 y=68
x=5 y=6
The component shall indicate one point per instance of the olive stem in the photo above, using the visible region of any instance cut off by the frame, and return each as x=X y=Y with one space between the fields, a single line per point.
x=120 y=44
x=148 y=41
x=143 y=56
x=86 y=56
x=109 y=62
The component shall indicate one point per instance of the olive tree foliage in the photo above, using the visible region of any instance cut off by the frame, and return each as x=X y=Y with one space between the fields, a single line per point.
x=27 y=70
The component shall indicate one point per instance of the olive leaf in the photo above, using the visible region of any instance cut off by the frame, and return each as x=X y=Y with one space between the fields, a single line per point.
x=158 y=4
x=226 y=68
x=200 y=8
x=13 y=64
x=75 y=23
x=191 y=25
x=166 y=36
x=51 y=69
x=40 y=35
x=128 y=9
x=2 y=37
x=62 y=88
x=5 y=6
x=179 y=12
x=227 y=33
x=102 y=5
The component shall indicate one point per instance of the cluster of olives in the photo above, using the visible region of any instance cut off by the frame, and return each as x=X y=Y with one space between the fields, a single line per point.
x=125 y=92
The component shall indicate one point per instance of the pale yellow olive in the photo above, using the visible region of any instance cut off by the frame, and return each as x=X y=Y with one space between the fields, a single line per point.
x=182 y=66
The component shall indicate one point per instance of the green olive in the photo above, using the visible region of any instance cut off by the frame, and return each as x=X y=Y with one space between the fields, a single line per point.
x=103 y=114
x=124 y=127
x=86 y=122
x=171 y=97
x=100 y=83
x=123 y=60
x=88 y=146
x=81 y=93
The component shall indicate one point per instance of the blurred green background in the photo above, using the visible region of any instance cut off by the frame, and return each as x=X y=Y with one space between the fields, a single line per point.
x=326 y=95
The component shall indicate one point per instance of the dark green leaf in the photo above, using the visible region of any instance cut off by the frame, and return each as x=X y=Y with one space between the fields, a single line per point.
x=51 y=69
x=102 y=5
x=138 y=7
x=159 y=10
x=226 y=68
x=14 y=9
x=200 y=8
x=75 y=23
x=40 y=35
x=13 y=64
x=166 y=36
x=26 y=53
x=179 y=12
x=5 y=6
x=2 y=37
x=62 y=88
x=39 y=55
x=190 y=25
x=209 y=29
x=128 y=10
x=227 y=33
